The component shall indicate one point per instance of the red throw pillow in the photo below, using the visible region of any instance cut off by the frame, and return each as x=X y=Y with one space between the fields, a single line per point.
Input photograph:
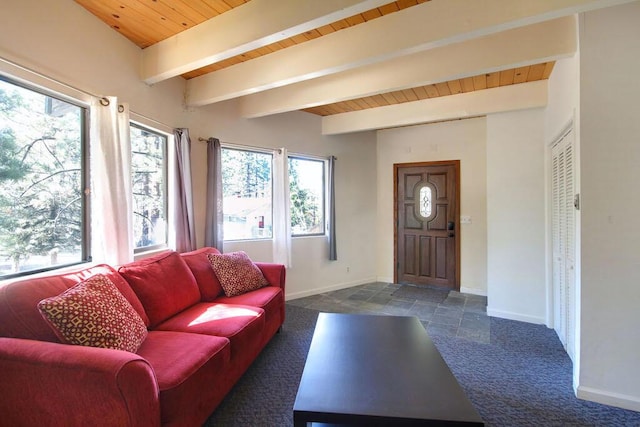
x=237 y=273
x=94 y=313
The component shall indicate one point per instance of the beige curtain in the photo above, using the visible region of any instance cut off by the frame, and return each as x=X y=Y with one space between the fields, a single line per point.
x=111 y=201
x=281 y=209
x=183 y=220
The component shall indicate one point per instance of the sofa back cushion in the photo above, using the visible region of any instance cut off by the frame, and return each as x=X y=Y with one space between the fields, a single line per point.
x=163 y=283
x=200 y=266
x=19 y=315
x=94 y=313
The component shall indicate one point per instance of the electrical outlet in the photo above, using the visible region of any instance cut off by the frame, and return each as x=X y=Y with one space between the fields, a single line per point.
x=465 y=219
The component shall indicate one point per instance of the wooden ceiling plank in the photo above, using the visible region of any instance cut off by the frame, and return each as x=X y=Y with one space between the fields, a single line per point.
x=299 y=38
x=353 y=105
x=403 y=4
x=203 y=8
x=388 y=8
x=536 y=72
x=410 y=95
x=389 y=98
x=506 y=77
x=399 y=96
x=133 y=20
x=340 y=25
x=355 y=20
x=371 y=103
x=480 y=82
x=221 y=37
x=493 y=79
x=361 y=103
x=520 y=75
x=455 y=86
x=371 y=14
x=181 y=10
x=464 y=105
x=443 y=89
x=235 y=3
x=468 y=59
x=421 y=92
x=218 y=5
x=467 y=84
x=548 y=68
x=432 y=91
x=380 y=100
x=326 y=29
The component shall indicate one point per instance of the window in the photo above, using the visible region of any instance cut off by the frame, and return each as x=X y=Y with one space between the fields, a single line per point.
x=43 y=217
x=246 y=188
x=149 y=183
x=307 y=188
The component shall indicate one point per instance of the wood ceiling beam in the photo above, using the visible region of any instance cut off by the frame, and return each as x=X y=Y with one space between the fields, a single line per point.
x=532 y=44
x=242 y=29
x=422 y=27
x=465 y=105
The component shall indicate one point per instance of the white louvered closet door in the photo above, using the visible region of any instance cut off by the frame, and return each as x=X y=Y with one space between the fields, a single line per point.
x=563 y=236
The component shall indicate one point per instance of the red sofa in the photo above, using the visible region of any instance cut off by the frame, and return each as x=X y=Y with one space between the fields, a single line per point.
x=199 y=343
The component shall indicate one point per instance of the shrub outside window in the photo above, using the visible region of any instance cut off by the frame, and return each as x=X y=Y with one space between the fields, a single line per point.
x=43 y=174
x=307 y=190
x=149 y=183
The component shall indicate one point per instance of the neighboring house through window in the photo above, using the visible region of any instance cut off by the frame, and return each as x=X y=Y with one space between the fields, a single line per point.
x=247 y=194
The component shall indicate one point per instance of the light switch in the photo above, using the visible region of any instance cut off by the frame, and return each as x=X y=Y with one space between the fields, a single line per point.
x=465 y=219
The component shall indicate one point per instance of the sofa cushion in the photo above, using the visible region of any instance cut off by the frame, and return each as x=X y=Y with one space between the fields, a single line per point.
x=237 y=273
x=191 y=371
x=242 y=324
x=94 y=313
x=201 y=268
x=270 y=299
x=164 y=284
x=19 y=315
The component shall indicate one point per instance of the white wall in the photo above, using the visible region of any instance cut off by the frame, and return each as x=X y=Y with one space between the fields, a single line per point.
x=65 y=42
x=311 y=271
x=463 y=140
x=610 y=172
x=516 y=216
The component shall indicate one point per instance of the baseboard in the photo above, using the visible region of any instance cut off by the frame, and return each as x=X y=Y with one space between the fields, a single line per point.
x=336 y=287
x=473 y=291
x=608 y=398
x=515 y=316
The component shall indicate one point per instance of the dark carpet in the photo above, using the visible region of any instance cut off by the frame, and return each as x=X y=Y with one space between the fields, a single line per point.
x=522 y=378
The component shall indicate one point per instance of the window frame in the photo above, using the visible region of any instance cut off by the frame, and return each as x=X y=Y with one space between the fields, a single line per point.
x=138 y=124
x=85 y=175
x=324 y=208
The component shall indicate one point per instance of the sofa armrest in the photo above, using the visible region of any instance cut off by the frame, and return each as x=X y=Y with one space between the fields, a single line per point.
x=46 y=383
x=274 y=273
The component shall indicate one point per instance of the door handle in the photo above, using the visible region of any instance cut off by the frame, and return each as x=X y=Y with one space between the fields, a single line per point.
x=450 y=227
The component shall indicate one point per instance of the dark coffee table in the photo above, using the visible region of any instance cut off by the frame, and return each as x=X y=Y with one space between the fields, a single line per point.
x=367 y=370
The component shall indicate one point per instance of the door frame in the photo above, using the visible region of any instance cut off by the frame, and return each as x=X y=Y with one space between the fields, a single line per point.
x=456 y=165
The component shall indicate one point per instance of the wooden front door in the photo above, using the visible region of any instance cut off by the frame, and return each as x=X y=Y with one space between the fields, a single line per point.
x=427 y=249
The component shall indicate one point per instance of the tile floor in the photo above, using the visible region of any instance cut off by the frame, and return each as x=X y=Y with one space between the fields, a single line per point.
x=441 y=312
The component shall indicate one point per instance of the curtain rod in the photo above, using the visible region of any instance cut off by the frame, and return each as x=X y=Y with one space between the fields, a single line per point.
x=240 y=146
x=265 y=149
x=69 y=86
